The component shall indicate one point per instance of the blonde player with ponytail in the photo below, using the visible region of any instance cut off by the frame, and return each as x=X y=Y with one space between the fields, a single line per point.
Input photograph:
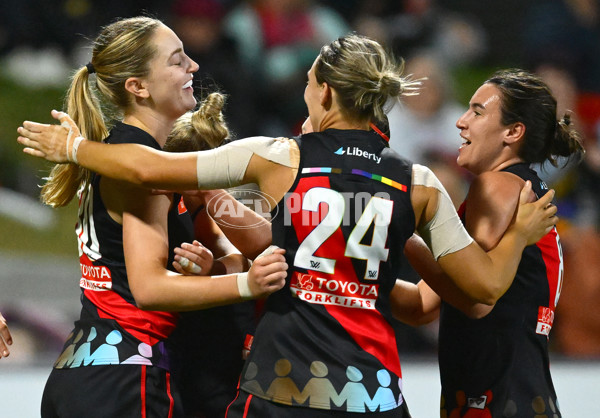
x=116 y=361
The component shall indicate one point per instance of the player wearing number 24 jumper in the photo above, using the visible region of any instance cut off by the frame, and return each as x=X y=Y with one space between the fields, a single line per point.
x=325 y=341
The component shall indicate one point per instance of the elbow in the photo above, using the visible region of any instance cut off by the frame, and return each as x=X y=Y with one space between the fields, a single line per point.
x=480 y=287
x=478 y=315
x=488 y=294
x=135 y=175
x=409 y=320
x=415 y=318
x=141 y=177
x=478 y=311
x=146 y=300
x=421 y=320
x=492 y=295
x=487 y=298
x=146 y=304
x=484 y=302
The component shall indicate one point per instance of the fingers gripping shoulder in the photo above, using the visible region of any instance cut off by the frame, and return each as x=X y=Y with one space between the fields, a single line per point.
x=272 y=149
x=225 y=166
x=444 y=233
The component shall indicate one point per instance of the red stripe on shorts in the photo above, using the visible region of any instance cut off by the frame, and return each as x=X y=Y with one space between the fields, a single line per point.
x=143 y=391
x=247 y=406
x=171 y=402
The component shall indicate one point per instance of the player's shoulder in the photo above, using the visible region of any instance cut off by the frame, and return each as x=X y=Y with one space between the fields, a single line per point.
x=495 y=189
x=497 y=183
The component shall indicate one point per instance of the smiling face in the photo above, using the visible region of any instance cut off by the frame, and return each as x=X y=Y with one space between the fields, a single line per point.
x=169 y=83
x=484 y=145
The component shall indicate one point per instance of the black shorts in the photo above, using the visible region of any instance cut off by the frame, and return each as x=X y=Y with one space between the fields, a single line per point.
x=246 y=405
x=110 y=391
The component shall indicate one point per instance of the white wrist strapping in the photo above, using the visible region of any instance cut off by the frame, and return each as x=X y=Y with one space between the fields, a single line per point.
x=72 y=144
x=242 y=278
x=243 y=286
x=72 y=156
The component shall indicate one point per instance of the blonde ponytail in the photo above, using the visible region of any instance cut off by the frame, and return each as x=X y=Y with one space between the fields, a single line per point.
x=83 y=107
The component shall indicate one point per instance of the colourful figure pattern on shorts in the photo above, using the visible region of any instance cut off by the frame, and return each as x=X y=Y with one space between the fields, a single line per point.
x=107 y=353
x=319 y=392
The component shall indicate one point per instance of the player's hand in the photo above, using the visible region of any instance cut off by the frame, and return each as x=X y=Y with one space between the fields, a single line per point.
x=52 y=142
x=193 y=259
x=5 y=338
x=535 y=219
x=268 y=272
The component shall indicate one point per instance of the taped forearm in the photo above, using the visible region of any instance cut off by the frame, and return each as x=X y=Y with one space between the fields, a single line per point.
x=226 y=166
x=444 y=233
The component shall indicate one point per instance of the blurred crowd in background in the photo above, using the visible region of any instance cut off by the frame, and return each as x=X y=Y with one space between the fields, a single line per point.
x=258 y=53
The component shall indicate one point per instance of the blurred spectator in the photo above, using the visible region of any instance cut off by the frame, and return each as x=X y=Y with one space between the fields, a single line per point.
x=348 y=9
x=39 y=23
x=565 y=35
x=62 y=23
x=576 y=184
x=37 y=334
x=372 y=19
x=566 y=32
x=577 y=327
x=577 y=330
x=564 y=88
x=410 y=25
x=278 y=40
x=199 y=24
x=502 y=22
x=427 y=124
x=48 y=34
x=428 y=121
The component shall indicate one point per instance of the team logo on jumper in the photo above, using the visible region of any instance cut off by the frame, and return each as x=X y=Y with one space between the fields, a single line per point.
x=321 y=291
x=545 y=320
x=357 y=152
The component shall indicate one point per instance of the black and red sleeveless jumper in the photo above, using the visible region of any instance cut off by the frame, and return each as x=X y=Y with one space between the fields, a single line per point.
x=498 y=366
x=326 y=339
x=111 y=328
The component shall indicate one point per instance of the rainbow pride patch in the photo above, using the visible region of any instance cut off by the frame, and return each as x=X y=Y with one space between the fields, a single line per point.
x=357 y=172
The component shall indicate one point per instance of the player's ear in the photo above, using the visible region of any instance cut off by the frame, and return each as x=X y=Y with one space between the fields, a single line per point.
x=325 y=95
x=514 y=133
x=137 y=87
